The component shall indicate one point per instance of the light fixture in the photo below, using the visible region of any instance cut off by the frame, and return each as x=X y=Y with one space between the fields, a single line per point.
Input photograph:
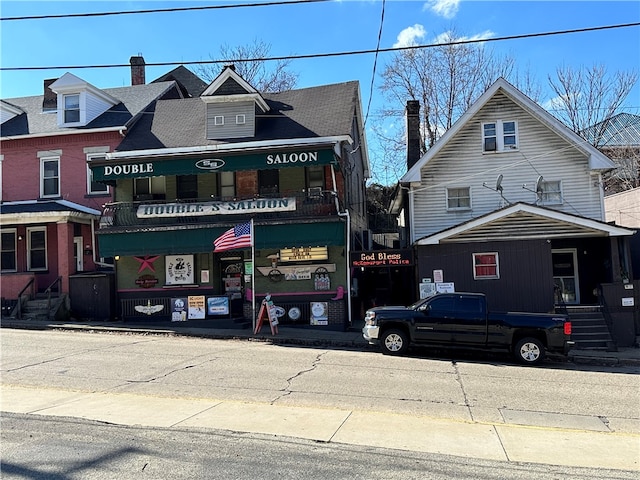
x=117 y=257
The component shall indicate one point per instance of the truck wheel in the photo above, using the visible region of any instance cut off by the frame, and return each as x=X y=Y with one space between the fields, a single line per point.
x=529 y=351
x=394 y=342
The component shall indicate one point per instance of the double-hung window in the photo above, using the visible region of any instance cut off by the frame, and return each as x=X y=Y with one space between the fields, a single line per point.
x=71 y=108
x=485 y=266
x=499 y=136
x=36 y=248
x=8 y=247
x=95 y=188
x=50 y=177
x=459 y=198
x=550 y=193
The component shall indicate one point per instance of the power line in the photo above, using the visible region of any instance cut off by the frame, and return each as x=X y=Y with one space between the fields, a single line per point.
x=156 y=10
x=334 y=54
x=375 y=62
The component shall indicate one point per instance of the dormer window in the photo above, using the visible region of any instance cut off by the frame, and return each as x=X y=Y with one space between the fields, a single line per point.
x=71 y=108
x=240 y=119
x=218 y=120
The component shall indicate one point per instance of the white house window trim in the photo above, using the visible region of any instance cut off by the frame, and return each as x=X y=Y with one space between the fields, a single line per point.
x=5 y=251
x=548 y=196
x=505 y=139
x=90 y=182
x=476 y=257
x=457 y=208
x=43 y=161
x=218 y=120
x=241 y=119
x=30 y=249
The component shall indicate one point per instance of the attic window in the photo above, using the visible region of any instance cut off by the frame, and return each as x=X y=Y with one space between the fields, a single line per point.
x=499 y=136
x=72 y=108
x=218 y=120
x=240 y=119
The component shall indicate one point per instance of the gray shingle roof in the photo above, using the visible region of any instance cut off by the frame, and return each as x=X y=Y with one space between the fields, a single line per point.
x=193 y=85
x=323 y=111
x=133 y=100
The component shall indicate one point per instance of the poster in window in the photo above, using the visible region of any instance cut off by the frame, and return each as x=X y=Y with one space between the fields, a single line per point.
x=196 y=307
x=179 y=269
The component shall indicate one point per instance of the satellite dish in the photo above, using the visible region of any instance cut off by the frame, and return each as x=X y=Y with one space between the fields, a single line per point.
x=539 y=184
x=499 y=183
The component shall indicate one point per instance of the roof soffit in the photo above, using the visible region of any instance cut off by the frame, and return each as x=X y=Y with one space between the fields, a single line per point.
x=523 y=222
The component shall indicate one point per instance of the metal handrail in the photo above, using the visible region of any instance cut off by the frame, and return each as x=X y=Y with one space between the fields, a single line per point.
x=30 y=283
x=58 y=282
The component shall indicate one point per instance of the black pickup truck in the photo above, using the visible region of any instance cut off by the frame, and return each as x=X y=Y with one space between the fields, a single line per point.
x=462 y=320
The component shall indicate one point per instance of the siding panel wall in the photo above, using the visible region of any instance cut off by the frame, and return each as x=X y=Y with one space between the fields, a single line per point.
x=462 y=164
x=229 y=111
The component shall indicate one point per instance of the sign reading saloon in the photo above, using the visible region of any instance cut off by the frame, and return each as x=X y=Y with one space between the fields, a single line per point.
x=262 y=205
x=104 y=170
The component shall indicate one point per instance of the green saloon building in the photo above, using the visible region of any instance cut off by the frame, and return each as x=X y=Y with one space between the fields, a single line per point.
x=292 y=163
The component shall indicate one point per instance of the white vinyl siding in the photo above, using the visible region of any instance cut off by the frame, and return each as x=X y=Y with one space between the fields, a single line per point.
x=540 y=152
x=230 y=127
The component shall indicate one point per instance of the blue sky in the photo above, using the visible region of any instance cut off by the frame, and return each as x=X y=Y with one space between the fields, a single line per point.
x=336 y=26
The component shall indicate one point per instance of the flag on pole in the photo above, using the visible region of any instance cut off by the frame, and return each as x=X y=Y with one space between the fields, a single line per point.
x=239 y=236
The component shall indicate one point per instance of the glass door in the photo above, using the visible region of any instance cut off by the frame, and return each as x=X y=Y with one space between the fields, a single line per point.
x=565 y=275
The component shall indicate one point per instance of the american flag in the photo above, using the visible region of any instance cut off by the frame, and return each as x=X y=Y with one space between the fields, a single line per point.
x=239 y=236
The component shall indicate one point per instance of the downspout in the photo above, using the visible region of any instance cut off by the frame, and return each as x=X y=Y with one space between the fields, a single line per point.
x=346 y=215
x=93 y=246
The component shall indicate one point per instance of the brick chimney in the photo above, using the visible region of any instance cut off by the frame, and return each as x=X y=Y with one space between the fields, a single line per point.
x=413 y=132
x=50 y=99
x=137 y=70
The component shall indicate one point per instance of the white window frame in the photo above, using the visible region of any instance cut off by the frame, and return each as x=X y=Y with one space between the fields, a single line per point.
x=13 y=231
x=241 y=119
x=90 y=191
x=30 y=231
x=550 y=197
x=458 y=208
x=218 y=120
x=65 y=109
x=227 y=184
x=476 y=276
x=44 y=160
x=500 y=136
x=156 y=186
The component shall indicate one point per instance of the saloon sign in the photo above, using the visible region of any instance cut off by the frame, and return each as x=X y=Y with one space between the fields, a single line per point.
x=114 y=169
x=216 y=208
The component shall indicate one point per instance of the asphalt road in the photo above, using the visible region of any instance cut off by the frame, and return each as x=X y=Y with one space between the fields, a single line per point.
x=40 y=447
x=531 y=411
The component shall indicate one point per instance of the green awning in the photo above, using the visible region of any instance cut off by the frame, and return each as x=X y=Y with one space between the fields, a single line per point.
x=111 y=170
x=185 y=241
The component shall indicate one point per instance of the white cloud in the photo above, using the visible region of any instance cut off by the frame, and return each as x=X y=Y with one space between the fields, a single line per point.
x=444 y=8
x=408 y=36
x=447 y=37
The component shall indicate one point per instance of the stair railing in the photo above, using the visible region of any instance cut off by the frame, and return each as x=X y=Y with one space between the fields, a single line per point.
x=57 y=283
x=30 y=284
x=559 y=300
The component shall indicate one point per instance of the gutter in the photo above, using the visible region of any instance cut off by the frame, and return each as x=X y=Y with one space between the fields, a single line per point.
x=119 y=128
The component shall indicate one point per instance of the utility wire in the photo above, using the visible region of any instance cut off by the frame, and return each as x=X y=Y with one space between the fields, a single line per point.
x=156 y=10
x=335 y=54
x=375 y=62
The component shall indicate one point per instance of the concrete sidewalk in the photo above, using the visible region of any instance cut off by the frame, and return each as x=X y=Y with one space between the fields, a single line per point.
x=578 y=446
x=294 y=335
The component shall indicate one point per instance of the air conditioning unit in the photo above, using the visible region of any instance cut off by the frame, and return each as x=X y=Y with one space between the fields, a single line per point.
x=314 y=191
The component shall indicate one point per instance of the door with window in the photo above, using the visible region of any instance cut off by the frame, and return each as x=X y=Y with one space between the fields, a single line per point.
x=565 y=276
x=77 y=253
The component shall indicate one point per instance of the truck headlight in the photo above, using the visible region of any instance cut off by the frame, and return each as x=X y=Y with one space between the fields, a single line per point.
x=370 y=318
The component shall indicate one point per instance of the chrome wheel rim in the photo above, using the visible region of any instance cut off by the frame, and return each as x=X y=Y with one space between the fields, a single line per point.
x=530 y=352
x=393 y=342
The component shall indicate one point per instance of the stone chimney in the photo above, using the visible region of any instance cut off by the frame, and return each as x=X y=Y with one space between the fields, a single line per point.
x=137 y=70
x=50 y=99
x=413 y=132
